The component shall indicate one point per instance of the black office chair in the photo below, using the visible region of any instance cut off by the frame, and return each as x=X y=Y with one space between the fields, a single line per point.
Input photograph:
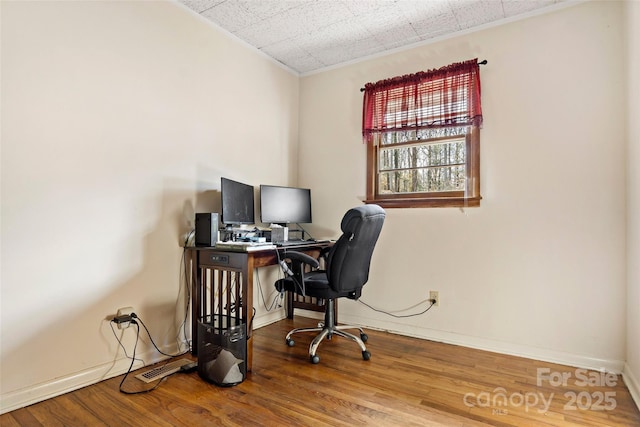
x=347 y=270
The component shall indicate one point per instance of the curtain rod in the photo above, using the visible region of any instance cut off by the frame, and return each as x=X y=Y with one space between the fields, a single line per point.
x=483 y=62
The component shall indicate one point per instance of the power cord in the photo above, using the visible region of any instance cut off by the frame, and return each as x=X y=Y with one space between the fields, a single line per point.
x=188 y=236
x=274 y=303
x=286 y=271
x=133 y=359
x=131 y=319
x=135 y=316
x=187 y=287
x=120 y=342
x=433 y=302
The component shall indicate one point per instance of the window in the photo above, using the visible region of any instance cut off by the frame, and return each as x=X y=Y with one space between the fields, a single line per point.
x=423 y=138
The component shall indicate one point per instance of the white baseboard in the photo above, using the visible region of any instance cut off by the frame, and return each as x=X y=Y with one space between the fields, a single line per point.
x=39 y=392
x=268 y=318
x=632 y=383
x=529 y=352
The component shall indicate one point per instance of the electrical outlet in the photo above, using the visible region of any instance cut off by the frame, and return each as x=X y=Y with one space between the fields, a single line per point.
x=433 y=295
x=124 y=311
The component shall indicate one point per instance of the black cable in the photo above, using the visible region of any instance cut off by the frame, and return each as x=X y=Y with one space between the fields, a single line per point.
x=232 y=304
x=251 y=323
x=186 y=239
x=261 y=292
x=187 y=286
x=281 y=293
x=397 y=315
x=120 y=343
x=135 y=316
x=133 y=359
x=133 y=321
x=298 y=284
x=305 y=232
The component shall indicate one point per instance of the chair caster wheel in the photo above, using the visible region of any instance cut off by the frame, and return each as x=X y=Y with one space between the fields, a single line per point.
x=364 y=337
x=290 y=342
x=366 y=355
x=315 y=359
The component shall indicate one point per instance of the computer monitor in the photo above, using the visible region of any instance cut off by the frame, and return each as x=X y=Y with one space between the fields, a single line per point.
x=237 y=202
x=284 y=205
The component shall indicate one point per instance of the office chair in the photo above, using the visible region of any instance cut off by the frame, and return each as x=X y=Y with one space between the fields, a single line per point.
x=346 y=272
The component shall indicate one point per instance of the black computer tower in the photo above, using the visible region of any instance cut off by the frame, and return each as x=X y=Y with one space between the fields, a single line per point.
x=206 y=229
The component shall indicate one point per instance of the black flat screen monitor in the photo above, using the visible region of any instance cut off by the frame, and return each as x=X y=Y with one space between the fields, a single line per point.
x=283 y=205
x=237 y=202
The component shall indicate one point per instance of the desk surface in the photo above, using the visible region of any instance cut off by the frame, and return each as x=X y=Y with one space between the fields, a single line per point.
x=240 y=246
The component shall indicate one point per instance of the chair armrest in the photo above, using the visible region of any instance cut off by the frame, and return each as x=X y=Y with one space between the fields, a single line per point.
x=294 y=265
x=300 y=257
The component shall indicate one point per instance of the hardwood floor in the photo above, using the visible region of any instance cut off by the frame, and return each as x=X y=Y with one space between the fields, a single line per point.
x=407 y=382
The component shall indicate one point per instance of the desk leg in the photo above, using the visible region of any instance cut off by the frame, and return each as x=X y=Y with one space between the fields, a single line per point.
x=195 y=280
x=247 y=307
x=290 y=298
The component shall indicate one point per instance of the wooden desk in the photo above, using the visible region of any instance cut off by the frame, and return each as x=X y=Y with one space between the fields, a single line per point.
x=222 y=283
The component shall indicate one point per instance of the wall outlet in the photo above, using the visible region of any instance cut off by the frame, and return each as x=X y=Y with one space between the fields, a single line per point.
x=433 y=295
x=124 y=311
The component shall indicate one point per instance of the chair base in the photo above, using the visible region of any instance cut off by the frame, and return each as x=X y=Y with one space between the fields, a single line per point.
x=327 y=331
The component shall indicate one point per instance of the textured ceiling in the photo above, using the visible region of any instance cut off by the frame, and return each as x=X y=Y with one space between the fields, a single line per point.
x=308 y=35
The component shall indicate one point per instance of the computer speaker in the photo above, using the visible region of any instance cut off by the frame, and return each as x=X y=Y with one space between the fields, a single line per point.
x=206 y=229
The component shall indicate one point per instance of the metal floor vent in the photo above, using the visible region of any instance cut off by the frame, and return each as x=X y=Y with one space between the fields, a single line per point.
x=162 y=371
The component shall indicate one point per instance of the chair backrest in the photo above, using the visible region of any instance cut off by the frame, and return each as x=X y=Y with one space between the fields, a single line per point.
x=349 y=260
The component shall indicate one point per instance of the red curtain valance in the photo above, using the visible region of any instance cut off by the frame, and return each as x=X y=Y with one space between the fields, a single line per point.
x=448 y=96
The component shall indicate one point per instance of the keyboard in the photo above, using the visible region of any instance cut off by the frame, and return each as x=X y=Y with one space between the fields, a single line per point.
x=244 y=246
x=294 y=242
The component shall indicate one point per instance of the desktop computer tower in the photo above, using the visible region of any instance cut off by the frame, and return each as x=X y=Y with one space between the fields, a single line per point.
x=206 y=229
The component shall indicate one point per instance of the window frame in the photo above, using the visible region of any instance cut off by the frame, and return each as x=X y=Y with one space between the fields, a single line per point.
x=470 y=197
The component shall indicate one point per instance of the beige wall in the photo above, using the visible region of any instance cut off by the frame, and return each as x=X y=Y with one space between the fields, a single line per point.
x=539 y=269
x=632 y=368
x=118 y=120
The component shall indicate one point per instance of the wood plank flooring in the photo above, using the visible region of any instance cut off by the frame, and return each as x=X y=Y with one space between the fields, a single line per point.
x=407 y=382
